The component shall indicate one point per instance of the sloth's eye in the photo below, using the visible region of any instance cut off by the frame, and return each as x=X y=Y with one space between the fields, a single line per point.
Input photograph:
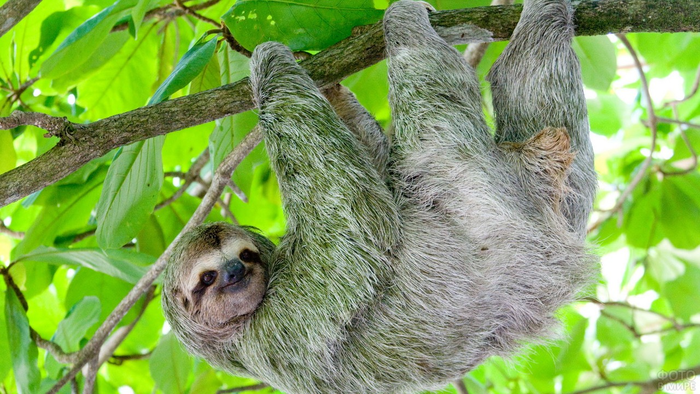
x=248 y=255
x=208 y=278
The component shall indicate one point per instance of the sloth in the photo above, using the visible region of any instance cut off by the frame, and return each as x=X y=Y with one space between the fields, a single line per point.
x=408 y=262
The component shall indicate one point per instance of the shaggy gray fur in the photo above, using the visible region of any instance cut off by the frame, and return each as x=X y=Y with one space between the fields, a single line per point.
x=402 y=270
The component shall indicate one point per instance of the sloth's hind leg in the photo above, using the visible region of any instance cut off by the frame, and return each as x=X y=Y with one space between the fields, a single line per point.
x=536 y=85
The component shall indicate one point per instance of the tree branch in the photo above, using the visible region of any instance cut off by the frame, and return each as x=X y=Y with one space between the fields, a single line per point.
x=653 y=385
x=219 y=182
x=328 y=67
x=14 y=11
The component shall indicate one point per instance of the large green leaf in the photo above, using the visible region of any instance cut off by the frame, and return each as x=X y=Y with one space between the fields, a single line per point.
x=124 y=264
x=130 y=192
x=23 y=350
x=680 y=210
x=8 y=157
x=110 y=291
x=170 y=365
x=598 y=60
x=125 y=81
x=67 y=208
x=80 y=44
x=73 y=328
x=301 y=25
x=683 y=293
x=193 y=62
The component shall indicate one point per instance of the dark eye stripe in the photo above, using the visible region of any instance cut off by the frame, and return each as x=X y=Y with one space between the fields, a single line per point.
x=249 y=255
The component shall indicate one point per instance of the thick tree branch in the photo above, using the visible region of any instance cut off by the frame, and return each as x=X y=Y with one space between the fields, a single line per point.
x=328 y=67
x=219 y=182
x=13 y=11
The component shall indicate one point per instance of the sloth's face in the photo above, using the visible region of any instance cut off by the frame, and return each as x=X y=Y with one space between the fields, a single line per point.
x=221 y=276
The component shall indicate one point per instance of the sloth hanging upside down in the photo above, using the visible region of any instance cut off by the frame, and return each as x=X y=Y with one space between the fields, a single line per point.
x=406 y=263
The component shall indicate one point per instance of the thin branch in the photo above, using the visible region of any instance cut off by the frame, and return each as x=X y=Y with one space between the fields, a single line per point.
x=651 y=123
x=459 y=385
x=193 y=13
x=476 y=51
x=326 y=68
x=241 y=389
x=111 y=345
x=118 y=359
x=693 y=92
x=224 y=172
x=10 y=233
x=12 y=12
x=654 y=384
x=679 y=122
x=204 y=5
x=233 y=43
x=191 y=175
x=52 y=124
x=675 y=324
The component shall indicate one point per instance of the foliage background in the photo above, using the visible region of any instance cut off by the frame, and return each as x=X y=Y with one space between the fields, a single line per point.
x=76 y=248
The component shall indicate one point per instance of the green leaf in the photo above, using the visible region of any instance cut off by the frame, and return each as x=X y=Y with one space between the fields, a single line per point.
x=8 y=157
x=22 y=349
x=170 y=365
x=79 y=319
x=137 y=14
x=54 y=25
x=5 y=355
x=301 y=25
x=67 y=207
x=110 y=291
x=598 y=60
x=608 y=114
x=683 y=293
x=193 y=62
x=127 y=265
x=124 y=82
x=680 y=210
x=209 y=78
x=102 y=55
x=73 y=328
x=80 y=44
x=641 y=220
x=130 y=192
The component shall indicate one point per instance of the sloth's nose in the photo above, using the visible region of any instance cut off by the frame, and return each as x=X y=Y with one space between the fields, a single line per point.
x=234 y=270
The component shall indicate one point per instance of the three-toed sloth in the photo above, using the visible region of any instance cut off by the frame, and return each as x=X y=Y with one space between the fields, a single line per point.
x=406 y=263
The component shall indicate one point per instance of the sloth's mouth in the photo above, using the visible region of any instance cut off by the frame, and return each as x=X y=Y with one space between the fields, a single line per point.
x=236 y=284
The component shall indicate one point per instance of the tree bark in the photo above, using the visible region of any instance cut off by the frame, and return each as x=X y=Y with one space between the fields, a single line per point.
x=364 y=49
x=14 y=11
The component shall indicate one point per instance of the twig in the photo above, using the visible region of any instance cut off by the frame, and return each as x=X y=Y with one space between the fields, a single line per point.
x=679 y=122
x=253 y=387
x=111 y=344
x=118 y=359
x=10 y=233
x=654 y=384
x=675 y=324
x=233 y=43
x=191 y=12
x=53 y=125
x=191 y=175
x=460 y=387
x=476 y=51
x=651 y=123
x=204 y=5
x=693 y=92
x=224 y=172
